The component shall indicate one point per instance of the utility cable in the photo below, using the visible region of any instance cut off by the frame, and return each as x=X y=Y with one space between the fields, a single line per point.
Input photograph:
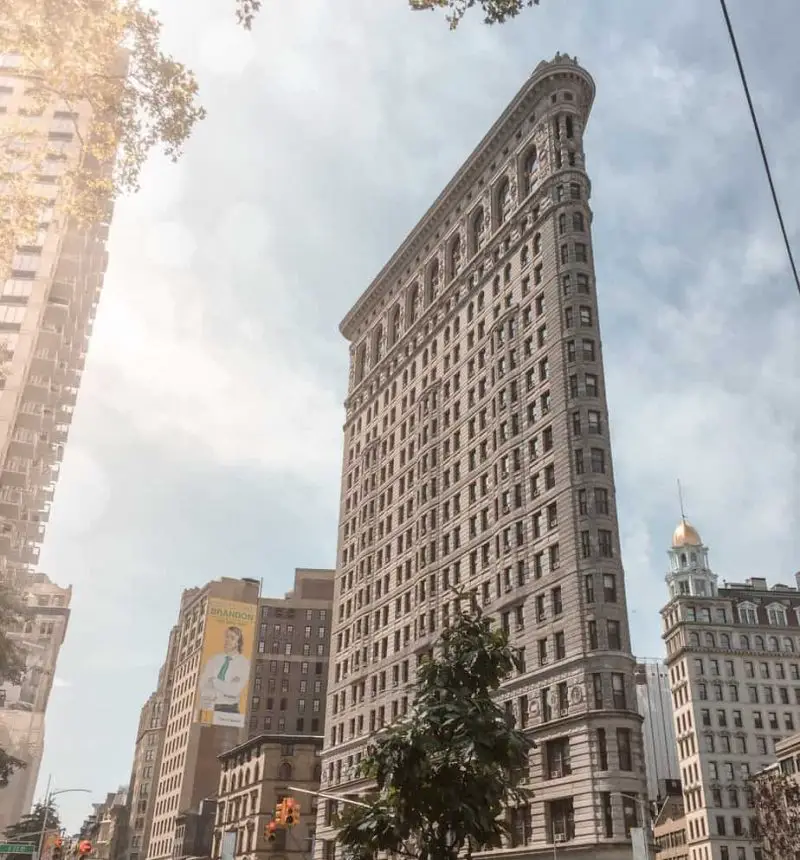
x=764 y=158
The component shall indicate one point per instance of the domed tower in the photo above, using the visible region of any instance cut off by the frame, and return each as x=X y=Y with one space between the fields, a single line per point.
x=689 y=572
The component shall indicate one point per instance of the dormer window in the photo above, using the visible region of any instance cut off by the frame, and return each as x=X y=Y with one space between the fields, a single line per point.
x=776 y=613
x=747 y=613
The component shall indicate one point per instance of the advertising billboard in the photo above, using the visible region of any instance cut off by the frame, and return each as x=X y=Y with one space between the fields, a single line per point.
x=225 y=664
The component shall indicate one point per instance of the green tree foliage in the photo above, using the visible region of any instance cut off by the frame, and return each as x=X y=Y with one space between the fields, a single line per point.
x=30 y=826
x=777 y=806
x=12 y=666
x=104 y=54
x=494 y=11
x=445 y=772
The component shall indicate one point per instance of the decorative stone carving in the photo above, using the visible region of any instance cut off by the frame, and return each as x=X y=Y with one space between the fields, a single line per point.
x=576 y=694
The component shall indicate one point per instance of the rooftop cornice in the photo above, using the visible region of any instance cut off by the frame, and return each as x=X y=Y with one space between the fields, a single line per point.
x=479 y=160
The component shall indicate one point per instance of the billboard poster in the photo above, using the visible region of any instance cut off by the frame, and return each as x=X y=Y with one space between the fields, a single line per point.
x=225 y=663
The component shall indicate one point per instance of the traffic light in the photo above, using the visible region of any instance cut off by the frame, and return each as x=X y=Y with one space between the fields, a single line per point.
x=270 y=831
x=84 y=847
x=280 y=812
x=292 y=813
x=57 y=852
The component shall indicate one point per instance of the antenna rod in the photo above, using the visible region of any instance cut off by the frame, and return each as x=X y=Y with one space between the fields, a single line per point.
x=680 y=500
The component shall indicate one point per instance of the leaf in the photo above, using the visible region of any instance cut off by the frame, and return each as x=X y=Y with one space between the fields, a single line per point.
x=99 y=64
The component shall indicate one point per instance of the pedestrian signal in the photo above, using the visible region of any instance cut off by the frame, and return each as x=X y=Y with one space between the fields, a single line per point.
x=270 y=831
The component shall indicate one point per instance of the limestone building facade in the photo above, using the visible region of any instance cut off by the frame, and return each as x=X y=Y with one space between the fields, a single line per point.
x=477 y=456
x=39 y=637
x=733 y=653
x=148 y=749
x=254 y=777
x=290 y=672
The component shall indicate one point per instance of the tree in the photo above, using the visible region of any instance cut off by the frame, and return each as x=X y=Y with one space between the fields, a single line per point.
x=494 y=11
x=12 y=666
x=777 y=805
x=30 y=826
x=100 y=54
x=445 y=773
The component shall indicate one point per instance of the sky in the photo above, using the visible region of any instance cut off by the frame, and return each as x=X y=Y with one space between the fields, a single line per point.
x=207 y=438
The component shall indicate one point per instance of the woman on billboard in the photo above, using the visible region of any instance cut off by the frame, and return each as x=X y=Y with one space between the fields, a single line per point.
x=223 y=679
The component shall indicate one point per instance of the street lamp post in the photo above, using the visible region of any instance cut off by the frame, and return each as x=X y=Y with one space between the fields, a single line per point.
x=646 y=819
x=48 y=796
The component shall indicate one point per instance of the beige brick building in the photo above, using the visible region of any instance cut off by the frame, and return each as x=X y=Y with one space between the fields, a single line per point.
x=290 y=672
x=39 y=637
x=188 y=770
x=477 y=455
x=147 y=756
x=733 y=654
x=254 y=777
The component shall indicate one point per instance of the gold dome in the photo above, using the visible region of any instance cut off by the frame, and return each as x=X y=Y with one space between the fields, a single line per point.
x=685 y=535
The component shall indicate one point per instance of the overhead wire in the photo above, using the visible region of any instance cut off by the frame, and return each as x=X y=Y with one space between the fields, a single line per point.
x=754 y=118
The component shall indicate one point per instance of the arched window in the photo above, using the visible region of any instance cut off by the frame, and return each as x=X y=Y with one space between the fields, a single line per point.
x=537 y=244
x=524 y=256
x=412 y=303
x=504 y=201
x=455 y=256
x=285 y=771
x=433 y=282
x=394 y=325
x=694 y=640
x=529 y=168
x=361 y=362
x=744 y=643
x=710 y=640
x=788 y=645
x=759 y=643
x=562 y=224
x=577 y=222
x=478 y=229
x=725 y=641
x=377 y=344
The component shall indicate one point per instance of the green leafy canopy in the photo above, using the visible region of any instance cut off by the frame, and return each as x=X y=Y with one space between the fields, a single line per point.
x=494 y=11
x=444 y=772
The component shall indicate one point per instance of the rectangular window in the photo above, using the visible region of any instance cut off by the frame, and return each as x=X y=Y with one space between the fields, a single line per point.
x=624 y=749
x=602 y=750
x=618 y=691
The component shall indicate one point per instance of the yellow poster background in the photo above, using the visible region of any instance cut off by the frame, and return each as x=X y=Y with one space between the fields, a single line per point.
x=224 y=683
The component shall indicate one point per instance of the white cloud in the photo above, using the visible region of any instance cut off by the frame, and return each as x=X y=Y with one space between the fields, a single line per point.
x=330 y=130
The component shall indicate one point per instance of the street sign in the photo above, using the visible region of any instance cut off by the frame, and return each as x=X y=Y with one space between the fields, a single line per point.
x=16 y=848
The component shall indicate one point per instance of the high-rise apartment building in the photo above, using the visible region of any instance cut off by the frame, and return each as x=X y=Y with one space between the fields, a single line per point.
x=477 y=455
x=39 y=637
x=213 y=647
x=49 y=292
x=658 y=729
x=237 y=665
x=733 y=654
x=147 y=756
x=290 y=672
